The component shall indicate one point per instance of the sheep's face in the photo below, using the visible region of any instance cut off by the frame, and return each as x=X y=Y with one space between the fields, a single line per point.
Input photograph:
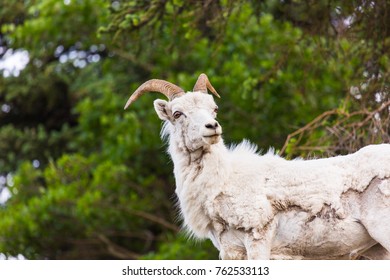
x=192 y=118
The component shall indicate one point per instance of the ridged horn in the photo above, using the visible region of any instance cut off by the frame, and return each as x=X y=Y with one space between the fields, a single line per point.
x=203 y=83
x=168 y=89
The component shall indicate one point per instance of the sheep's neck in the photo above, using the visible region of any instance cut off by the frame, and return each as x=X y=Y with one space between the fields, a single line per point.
x=190 y=164
x=196 y=174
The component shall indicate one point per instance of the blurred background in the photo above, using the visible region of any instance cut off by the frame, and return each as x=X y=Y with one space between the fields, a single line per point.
x=80 y=178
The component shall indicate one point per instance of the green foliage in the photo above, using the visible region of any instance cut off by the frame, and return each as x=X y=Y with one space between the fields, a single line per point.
x=181 y=248
x=35 y=143
x=56 y=212
x=50 y=23
x=92 y=181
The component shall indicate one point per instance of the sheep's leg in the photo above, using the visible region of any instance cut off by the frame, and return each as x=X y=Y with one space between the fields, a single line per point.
x=231 y=245
x=258 y=249
x=252 y=249
x=376 y=211
x=232 y=253
x=259 y=243
x=231 y=250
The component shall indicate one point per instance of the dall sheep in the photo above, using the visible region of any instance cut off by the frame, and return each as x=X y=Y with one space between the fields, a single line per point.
x=265 y=207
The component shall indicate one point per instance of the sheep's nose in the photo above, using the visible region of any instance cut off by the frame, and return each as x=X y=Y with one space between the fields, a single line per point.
x=212 y=125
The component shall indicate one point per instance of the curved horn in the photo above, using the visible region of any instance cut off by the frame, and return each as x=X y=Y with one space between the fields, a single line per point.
x=203 y=83
x=168 y=89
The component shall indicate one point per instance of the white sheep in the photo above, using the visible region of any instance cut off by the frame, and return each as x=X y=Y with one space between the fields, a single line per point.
x=262 y=206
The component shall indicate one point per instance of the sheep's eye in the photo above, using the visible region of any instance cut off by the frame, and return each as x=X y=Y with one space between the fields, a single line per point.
x=177 y=114
x=216 y=110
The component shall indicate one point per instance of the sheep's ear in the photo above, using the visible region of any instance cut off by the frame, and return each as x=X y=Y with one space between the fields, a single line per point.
x=161 y=107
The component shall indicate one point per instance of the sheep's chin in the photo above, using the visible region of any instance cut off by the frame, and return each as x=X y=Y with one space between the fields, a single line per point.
x=213 y=139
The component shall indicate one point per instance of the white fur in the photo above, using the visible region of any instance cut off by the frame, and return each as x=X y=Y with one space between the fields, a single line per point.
x=263 y=206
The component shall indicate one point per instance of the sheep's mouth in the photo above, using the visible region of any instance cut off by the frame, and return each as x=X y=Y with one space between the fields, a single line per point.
x=212 y=135
x=212 y=138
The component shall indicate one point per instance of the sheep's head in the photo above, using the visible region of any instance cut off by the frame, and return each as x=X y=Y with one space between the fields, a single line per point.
x=190 y=116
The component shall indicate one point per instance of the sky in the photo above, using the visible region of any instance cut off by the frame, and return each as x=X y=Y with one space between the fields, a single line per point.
x=5 y=193
x=13 y=61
